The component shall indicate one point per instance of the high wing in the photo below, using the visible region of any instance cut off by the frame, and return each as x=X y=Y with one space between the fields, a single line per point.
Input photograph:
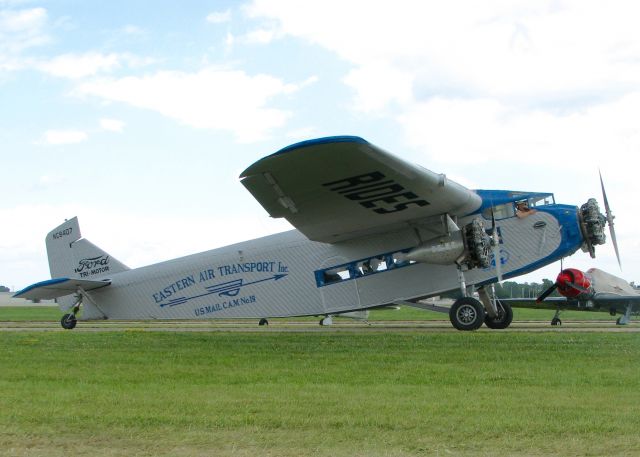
x=58 y=287
x=337 y=188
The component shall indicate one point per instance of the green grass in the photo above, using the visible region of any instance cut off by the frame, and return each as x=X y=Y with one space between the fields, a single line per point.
x=43 y=314
x=345 y=394
x=29 y=313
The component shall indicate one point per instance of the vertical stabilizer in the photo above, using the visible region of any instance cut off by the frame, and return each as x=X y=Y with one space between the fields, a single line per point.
x=71 y=256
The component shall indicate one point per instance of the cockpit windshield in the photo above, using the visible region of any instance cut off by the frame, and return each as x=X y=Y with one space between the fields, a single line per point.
x=542 y=200
x=526 y=203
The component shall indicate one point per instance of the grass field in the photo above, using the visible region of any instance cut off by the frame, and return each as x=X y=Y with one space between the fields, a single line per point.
x=346 y=394
x=51 y=313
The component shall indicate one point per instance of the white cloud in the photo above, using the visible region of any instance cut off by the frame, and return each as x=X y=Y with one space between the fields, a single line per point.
x=112 y=125
x=485 y=130
x=219 y=17
x=259 y=36
x=537 y=50
x=76 y=66
x=216 y=99
x=22 y=246
x=22 y=29
x=60 y=137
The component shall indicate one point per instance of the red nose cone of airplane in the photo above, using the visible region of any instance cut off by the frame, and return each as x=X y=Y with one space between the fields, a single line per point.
x=572 y=282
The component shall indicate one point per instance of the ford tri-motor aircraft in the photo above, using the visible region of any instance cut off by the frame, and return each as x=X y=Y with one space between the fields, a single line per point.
x=372 y=230
x=593 y=290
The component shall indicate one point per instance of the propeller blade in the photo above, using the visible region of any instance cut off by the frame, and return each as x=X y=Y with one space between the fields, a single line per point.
x=576 y=287
x=547 y=292
x=610 y=218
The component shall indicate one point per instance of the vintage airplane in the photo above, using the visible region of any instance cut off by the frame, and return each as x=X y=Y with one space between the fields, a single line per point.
x=593 y=290
x=372 y=230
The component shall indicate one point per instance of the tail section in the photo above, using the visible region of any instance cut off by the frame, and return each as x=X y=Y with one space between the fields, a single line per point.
x=71 y=256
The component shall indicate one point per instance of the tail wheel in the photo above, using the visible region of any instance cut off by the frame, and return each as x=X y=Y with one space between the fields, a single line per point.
x=467 y=314
x=68 y=321
x=502 y=320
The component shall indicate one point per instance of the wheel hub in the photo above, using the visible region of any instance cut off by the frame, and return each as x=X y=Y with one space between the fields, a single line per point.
x=467 y=314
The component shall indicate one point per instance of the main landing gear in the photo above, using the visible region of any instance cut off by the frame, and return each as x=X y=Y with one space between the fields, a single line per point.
x=625 y=319
x=69 y=321
x=502 y=319
x=467 y=313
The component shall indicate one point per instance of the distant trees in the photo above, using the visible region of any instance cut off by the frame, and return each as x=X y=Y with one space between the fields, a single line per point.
x=4 y=289
x=512 y=289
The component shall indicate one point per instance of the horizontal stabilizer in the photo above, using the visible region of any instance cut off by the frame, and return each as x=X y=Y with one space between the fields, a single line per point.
x=58 y=287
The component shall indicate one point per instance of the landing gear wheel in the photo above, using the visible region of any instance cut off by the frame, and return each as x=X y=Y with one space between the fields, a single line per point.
x=263 y=321
x=467 y=314
x=504 y=318
x=68 y=321
x=326 y=321
x=556 y=321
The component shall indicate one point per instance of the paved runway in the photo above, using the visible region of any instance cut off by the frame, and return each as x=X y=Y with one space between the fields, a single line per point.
x=308 y=326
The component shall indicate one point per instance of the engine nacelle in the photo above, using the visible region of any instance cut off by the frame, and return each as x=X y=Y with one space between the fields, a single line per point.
x=570 y=277
x=444 y=250
x=470 y=247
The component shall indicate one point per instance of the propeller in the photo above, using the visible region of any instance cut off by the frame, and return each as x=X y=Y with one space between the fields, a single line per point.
x=495 y=244
x=566 y=281
x=610 y=218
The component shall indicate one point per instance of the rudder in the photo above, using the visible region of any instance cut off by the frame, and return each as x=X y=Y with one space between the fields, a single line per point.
x=71 y=256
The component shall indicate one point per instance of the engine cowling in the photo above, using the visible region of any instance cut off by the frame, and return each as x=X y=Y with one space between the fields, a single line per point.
x=572 y=282
x=592 y=223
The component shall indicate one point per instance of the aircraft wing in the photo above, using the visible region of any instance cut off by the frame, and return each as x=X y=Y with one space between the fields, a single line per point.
x=58 y=287
x=337 y=188
x=605 y=298
x=547 y=303
x=601 y=300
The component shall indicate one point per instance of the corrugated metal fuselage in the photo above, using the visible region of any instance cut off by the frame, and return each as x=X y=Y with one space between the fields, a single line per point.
x=282 y=275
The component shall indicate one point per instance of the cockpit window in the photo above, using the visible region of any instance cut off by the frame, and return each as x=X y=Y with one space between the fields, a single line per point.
x=541 y=201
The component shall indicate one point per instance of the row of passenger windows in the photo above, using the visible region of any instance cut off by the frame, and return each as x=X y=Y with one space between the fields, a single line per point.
x=364 y=267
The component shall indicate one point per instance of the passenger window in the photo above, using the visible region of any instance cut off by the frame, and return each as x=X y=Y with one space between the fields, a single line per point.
x=372 y=265
x=335 y=275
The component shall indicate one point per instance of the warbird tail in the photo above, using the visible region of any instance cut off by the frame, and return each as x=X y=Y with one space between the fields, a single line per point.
x=71 y=256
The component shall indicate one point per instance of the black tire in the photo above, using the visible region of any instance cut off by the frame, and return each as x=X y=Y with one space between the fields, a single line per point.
x=68 y=321
x=263 y=321
x=504 y=318
x=467 y=313
x=556 y=321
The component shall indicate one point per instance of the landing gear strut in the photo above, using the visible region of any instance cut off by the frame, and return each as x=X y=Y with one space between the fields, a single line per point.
x=626 y=317
x=556 y=318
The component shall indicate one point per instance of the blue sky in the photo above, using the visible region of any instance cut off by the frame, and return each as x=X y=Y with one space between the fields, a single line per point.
x=139 y=116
